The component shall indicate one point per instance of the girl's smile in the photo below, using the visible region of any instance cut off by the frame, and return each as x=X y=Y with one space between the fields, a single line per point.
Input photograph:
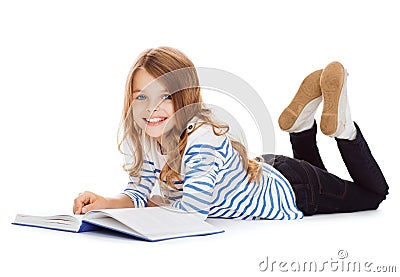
x=155 y=121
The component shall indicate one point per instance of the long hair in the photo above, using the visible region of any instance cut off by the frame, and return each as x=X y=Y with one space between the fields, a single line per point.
x=178 y=74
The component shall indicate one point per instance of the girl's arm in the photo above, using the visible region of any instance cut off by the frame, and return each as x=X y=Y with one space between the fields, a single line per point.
x=139 y=192
x=134 y=196
x=87 y=201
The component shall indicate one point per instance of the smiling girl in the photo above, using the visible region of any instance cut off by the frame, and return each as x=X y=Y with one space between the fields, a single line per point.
x=174 y=145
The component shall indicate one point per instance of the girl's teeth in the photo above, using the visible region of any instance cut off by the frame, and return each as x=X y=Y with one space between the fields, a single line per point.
x=155 y=119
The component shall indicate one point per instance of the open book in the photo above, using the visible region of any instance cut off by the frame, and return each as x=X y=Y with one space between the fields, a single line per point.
x=151 y=223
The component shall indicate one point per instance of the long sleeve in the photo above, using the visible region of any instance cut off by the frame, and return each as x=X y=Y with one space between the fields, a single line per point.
x=140 y=192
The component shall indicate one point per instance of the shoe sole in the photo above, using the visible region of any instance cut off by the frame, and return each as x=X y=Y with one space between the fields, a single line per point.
x=332 y=80
x=307 y=92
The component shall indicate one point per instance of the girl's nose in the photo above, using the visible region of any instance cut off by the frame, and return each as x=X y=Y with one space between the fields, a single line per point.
x=152 y=106
x=150 y=110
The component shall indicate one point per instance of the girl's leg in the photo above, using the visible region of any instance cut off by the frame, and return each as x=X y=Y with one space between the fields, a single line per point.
x=362 y=166
x=368 y=188
x=336 y=122
x=304 y=146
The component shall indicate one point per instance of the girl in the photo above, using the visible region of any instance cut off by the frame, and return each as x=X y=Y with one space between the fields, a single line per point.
x=173 y=143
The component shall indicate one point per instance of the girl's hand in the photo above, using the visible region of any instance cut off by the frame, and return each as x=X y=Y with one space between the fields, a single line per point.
x=87 y=201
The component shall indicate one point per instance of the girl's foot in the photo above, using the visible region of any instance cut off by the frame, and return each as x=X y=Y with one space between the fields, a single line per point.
x=336 y=118
x=299 y=115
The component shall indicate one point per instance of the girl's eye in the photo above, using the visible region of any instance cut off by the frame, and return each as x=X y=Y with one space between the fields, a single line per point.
x=167 y=97
x=140 y=97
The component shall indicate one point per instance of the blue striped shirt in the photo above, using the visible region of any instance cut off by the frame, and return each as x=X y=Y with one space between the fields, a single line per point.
x=215 y=183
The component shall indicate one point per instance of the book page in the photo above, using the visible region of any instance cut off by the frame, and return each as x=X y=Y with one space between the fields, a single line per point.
x=158 y=222
x=60 y=222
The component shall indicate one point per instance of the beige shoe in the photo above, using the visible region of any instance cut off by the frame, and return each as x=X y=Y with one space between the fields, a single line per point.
x=299 y=115
x=336 y=119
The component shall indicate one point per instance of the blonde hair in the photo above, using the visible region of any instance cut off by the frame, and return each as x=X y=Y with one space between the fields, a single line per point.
x=178 y=74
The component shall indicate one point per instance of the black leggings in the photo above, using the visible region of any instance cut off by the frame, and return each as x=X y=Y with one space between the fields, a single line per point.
x=318 y=191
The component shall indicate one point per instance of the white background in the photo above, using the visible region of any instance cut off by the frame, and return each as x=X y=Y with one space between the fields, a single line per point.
x=63 y=66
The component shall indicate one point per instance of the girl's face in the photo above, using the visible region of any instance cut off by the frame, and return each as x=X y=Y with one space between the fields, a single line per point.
x=152 y=105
